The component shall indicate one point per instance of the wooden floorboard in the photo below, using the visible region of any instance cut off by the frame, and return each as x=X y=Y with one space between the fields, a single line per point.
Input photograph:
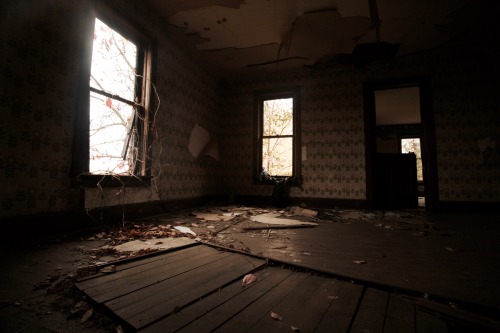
x=145 y=306
x=132 y=263
x=223 y=305
x=371 y=313
x=339 y=315
x=262 y=307
x=302 y=308
x=121 y=282
x=429 y=323
x=198 y=289
x=400 y=315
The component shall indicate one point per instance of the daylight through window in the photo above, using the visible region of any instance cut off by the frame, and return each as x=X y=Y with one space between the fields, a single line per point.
x=412 y=145
x=114 y=103
x=277 y=139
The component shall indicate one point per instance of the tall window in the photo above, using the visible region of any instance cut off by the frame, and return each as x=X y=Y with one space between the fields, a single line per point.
x=114 y=103
x=112 y=134
x=412 y=145
x=278 y=120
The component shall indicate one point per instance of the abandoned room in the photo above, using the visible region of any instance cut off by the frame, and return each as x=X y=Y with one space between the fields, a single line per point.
x=250 y=166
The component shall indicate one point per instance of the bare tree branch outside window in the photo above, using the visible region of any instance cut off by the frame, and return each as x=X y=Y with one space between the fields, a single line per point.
x=112 y=102
x=277 y=139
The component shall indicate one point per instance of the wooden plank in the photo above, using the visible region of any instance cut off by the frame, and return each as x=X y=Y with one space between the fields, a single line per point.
x=116 y=284
x=371 y=312
x=338 y=317
x=262 y=307
x=400 y=315
x=150 y=304
x=429 y=323
x=171 y=286
x=211 y=312
x=122 y=265
x=302 y=308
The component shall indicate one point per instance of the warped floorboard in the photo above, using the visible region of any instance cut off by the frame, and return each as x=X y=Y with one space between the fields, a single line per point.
x=199 y=289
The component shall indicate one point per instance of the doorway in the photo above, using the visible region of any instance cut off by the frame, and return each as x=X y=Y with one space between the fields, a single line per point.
x=398 y=118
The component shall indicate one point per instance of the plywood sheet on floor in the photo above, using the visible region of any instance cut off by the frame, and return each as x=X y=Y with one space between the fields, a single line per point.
x=199 y=289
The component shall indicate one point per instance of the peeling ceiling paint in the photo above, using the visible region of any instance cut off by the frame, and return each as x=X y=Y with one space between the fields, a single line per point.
x=237 y=37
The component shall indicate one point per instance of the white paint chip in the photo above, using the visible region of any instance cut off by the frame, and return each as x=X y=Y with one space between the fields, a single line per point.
x=274 y=218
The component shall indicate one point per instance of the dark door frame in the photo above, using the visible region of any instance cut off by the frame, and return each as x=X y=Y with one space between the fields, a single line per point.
x=428 y=138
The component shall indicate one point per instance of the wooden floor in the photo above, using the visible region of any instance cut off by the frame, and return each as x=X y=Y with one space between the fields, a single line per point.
x=199 y=289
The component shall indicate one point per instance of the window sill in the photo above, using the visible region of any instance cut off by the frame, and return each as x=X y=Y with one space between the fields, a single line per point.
x=295 y=181
x=112 y=181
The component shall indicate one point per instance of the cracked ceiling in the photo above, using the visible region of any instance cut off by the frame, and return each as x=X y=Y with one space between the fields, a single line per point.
x=235 y=37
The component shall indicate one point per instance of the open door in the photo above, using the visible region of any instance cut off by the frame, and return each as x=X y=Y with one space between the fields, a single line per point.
x=400 y=145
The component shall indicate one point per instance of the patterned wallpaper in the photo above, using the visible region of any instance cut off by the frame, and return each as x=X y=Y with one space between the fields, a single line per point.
x=40 y=63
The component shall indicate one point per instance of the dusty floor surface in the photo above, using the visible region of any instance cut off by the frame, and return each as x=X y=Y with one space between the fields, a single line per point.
x=450 y=258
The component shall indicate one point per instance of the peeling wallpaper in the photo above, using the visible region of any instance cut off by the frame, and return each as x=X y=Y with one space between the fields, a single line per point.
x=40 y=69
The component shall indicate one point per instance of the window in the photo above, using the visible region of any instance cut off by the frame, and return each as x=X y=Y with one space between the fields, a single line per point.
x=278 y=133
x=113 y=110
x=412 y=145
x=117 y=110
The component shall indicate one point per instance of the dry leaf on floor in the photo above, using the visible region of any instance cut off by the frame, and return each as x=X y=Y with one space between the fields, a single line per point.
x=86 y=316
x=276 y=316
x=247 y=279
x=359 y=262
x=295 y=329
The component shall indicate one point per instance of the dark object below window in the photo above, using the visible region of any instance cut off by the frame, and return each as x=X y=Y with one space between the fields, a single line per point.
x=281 y=190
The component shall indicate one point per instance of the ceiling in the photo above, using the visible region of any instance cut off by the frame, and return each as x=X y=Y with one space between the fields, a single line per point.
x=235 y=38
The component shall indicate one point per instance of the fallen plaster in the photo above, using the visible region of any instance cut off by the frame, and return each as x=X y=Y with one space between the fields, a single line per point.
x=215 y=216
x=154 y=244
x=200 y=143
x=275 y=219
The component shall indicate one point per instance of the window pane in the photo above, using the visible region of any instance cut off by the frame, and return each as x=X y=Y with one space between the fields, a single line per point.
x=113 y=62
x=412 y=145
x=277 y=156
x=110 y=122
x=278 y=117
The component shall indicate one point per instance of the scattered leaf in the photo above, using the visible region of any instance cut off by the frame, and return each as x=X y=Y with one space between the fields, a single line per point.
x=276 y=316
x=359 y=262
x=295 y=329
x=247 y=279
x=87 y=315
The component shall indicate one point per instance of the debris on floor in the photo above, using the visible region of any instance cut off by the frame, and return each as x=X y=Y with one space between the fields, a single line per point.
x=275 y=219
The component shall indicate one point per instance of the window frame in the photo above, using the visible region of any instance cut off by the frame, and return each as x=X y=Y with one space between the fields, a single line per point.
x=259 y=98
x=146 y=55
